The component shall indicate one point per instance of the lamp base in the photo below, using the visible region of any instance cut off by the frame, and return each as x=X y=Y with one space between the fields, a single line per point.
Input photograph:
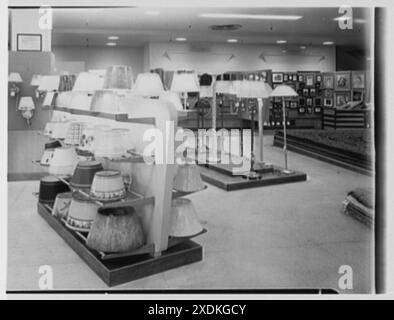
x=251 y=175
x=287 y=171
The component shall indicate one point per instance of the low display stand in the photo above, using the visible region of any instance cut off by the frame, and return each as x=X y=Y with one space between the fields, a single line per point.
x=124 y=269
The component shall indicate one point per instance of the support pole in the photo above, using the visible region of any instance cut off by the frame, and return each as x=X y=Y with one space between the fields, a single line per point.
x=284 y=132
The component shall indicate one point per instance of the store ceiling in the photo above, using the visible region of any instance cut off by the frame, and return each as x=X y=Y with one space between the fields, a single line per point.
x=134 y=27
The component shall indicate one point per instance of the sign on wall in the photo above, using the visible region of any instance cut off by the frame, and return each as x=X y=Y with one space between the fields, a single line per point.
x=29 y=42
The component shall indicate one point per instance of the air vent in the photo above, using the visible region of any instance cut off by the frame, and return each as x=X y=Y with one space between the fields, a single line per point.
x=225 y=27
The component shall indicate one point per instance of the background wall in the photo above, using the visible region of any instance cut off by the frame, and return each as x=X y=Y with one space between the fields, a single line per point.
x=100 y=58
x=218 y=58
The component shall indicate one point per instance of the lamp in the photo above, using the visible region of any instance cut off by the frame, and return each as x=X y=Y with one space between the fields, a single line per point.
x=49 y=83
x=14 y=78
x=284 y=91
x=148 y=85
x=172 y=97
x=88 y=81
x=185 y=81
x=251 y=89
x=27 y=106
x=118 y=77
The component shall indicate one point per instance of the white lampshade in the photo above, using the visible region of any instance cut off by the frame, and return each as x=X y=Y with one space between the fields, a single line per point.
x=26 y=103
x=252 y=89
x=172 y=97
x=99 y=72
x=88 y=81
x=148 y=85
x=223 y=86
x=15 y=77
x=185 y=82
x=283 y=91
x=35 y=80
x=118 y=77
x=49 y=83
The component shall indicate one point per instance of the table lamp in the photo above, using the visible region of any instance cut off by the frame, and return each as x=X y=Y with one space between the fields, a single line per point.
x=27 y=106
x=184 y=82
x=148 y=85
x=14 y=78
x=284 y=91
x=252 y=90
x=119 y=77
x=88 y=82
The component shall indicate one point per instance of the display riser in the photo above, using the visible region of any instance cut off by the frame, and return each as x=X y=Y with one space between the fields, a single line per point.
x=122 y=270
x=229 y=182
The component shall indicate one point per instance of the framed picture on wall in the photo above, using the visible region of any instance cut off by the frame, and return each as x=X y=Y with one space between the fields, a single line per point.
x=309 y=110
x=329 y=94
x=305 y=92
x=312 y=92
x=341 y=99
x=328 y=81
x=277 y=77
x=310 y=80
x=342 y=81
x=318 y=78
x=287 y=104
x=29 y=42
x=309 y=102
x=358 y=95
x=301 y=110
x=300 y=78
x=358 y=80
x=302 y=102
x=317 y=110
x=285 y=77
x=318 y=102
x=328 y=102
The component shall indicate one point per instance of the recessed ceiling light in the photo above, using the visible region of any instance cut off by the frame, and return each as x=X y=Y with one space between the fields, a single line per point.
x=284 y=51
x=303 y=47
x=281 y=41
x=180 y=39
x=328 y=43
x=250 y=16
x=344 y=18
x=113 y=38
x=152 y=12
x=232 y=40
x=111 y=44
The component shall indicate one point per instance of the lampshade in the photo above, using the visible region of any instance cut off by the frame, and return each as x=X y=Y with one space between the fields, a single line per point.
x=185 y=82
x=26 y=103
x=183 y=219
x=99 y=72
x=35 y=80
x=105 y=101
x=87 y=81
x=223 y=86
x=80 y=100
x=148 y=85
x=49 y=83
x=252 y=89
x=15 y=77
x=48 y=100
x=63 y=99
x=283 y=91
x=118 y=77
x=172 y=97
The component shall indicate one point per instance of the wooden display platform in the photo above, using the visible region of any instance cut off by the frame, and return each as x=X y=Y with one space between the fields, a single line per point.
x=229 y=182
x=125 y=268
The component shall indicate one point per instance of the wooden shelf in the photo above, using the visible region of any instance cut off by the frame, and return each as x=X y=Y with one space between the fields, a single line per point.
x=120 y=117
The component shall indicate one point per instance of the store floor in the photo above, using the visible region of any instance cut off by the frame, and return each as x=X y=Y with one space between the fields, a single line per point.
x=285 y=236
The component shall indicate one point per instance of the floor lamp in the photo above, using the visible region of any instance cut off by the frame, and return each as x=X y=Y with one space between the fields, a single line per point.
x=251 y=89
x=284 y=91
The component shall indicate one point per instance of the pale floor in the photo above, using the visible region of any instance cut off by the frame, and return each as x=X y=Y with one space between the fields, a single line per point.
x=285 y=236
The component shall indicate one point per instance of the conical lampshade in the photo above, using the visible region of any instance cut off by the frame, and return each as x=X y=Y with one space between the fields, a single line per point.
x=188 y=179
x=15 y=77
x=105 y=101
x=63 y=99
x=118 y=77
x=80 y=100
x=223 y=86
x=49 y=83
x=26 y=103
x=283 y=91
x=48 y=100
x=87 y=81
x=183 y=219
x=185 y=81
x=252 y=89
x=172 y=97
x=148 y=85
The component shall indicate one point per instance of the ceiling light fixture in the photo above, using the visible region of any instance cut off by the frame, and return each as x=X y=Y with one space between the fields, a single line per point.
x=344 y=18
x=232 y=40
x=250 y=16
x=303 y=47
x=180 y=39
x=281 y=41
x=113 y=38
x=328 y=43
x=111 y=44
x=152 y=12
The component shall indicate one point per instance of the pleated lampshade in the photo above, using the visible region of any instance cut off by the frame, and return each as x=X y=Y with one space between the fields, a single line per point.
x=184 y=221
x=185 y=81
x=283 y=91
x=118 y=77
x=148 y=85
x=88 y=81
x=172 y=97
x=35 y=80
x=26 y=103
x=188 y=178
x=15 y=77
